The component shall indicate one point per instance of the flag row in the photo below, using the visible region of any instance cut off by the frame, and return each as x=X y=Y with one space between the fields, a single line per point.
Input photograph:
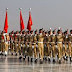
x=22 y=26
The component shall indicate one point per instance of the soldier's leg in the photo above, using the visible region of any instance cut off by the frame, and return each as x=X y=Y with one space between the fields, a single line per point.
x=49 y=52
x=42 y=51
x=53 y=52
x=6 y=49
x=69 y=44
x=35 y=53
x=59 y=52
x=45 y=52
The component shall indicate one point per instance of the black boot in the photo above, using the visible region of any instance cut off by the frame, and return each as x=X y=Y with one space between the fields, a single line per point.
x=41 y=62
x=53 y=60
x=31 y=59
x=49 y=59
x=20 y=57
x=45 y=58
x=16 y=54
x=28 y=59
x=35 y=60
x=70 y=59
x=66 y=58
x=24 y=58
x=59 y=61
x=11 y=53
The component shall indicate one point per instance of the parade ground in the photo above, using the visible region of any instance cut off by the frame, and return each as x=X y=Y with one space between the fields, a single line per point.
x=13 y=64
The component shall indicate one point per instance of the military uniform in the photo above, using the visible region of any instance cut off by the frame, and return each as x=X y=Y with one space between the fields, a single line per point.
x=6 y=44
x=16 y=43
x=35 y=46
x=70 y=46
x=2 y=43
x=40 y=45
x=12 y=43
x=53 y=42
x=66 y=40
x=59 y=44
x=49 y=46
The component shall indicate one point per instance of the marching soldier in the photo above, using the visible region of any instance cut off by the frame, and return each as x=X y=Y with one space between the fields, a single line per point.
x=35 y=45
x=12 y=42
x=59 y=38
x=19 y=46
x=16 y=42
x=49 y=44
x=6 y=43
x=27 y=43
x=53 y=42
x=70 y=44
x=40 y=45
x=2 y=42
x=66 y=40
x=24 y=51
x=31 y=47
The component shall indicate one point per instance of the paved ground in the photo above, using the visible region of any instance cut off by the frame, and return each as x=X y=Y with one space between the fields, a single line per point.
x=13 y=64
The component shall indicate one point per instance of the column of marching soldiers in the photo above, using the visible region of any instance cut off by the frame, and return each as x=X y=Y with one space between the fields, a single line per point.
x=35 y=45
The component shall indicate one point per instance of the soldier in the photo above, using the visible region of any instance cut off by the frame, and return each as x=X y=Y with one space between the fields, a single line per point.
x=70 y=45
x=2 y=42
x=53 y=42
x=35 y=45
x=24 y=52
x=59 y=38
x=12 y=42
x=31 y=47
x=19 y=46
x=45 y=46
x=66 y=39
x=6 y=43
x=49 y=44
x=27 y=43
x=16 y=42
x=40 y=45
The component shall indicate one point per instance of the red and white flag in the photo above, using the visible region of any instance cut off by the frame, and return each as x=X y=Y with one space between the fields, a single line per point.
x=22 y=27
x=6 y=23
x=29 y=25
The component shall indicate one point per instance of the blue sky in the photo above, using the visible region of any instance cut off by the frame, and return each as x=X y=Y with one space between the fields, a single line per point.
x=45 y=13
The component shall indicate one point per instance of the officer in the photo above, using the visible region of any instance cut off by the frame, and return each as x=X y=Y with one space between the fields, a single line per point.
x=59 y=38
x=12 y=42
x=24 y=51
x=19 y=46
x=31 y=47
x=66 y=40
x=35 y=37
x=2 y=43
x=40 y=45
x=70 y=45
x=49 y=44
x=16 y=42
x=27 y=43
x=6 y=44
x=53 y=42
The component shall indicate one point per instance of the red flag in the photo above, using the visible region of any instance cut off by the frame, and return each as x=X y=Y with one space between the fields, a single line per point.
x=21 y=22
x=29 y=22
x=6 y=23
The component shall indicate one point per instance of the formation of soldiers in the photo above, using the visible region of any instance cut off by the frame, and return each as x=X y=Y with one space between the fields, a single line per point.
x=37 y=44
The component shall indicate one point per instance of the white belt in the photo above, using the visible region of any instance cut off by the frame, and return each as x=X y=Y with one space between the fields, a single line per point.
x=6 y=42
x=40 y=42
x=59 y=42
x=52 y=42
